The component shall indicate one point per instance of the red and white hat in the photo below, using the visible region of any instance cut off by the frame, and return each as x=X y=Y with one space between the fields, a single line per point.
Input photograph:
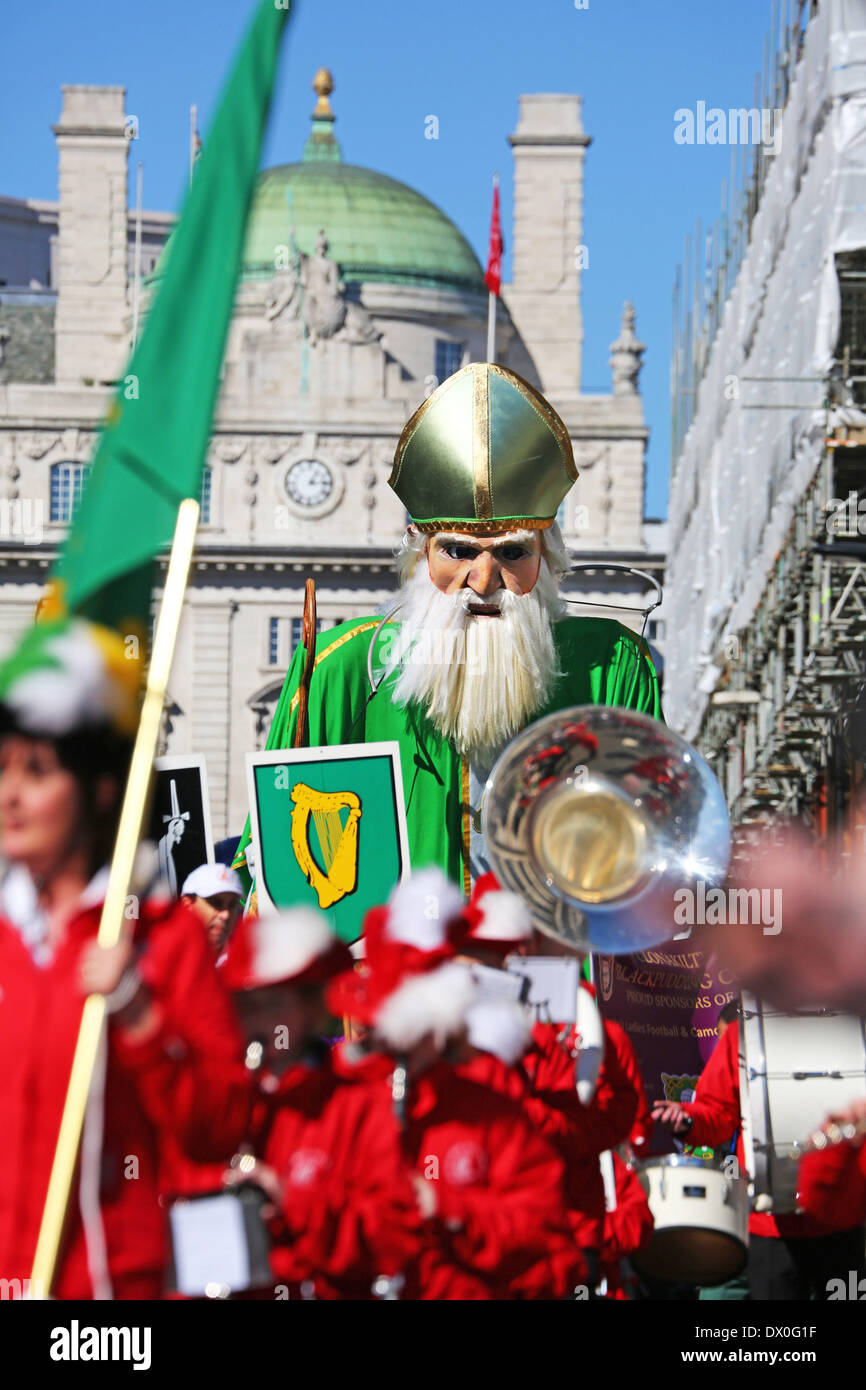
x=210 y=879
x=409 y=984
x=496 y=919
x=296 y=947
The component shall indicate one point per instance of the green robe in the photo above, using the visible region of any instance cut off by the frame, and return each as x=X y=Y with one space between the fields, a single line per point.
x=603 y=663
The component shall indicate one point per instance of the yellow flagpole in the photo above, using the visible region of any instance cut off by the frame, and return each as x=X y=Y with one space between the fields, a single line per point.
x=111 y=922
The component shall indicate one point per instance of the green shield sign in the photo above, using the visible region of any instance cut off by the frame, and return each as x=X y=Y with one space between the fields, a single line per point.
x=328 y=829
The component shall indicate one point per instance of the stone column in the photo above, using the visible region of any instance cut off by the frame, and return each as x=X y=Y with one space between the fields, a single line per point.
x=544 y=295
x=92 y=253
x=211 y=703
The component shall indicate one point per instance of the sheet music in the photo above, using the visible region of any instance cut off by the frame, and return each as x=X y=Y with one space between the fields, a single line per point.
x=553 y=985
x=210 y=1244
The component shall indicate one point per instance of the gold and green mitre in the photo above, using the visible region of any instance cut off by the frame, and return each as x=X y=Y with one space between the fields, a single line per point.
x=484 y=452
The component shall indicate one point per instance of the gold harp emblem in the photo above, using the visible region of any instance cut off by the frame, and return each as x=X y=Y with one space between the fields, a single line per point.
x=338 y=842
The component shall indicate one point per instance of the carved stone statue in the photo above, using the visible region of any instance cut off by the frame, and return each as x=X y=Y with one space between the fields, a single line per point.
x=324 y=304
x=625 y=356
x=308 y=298
x=284 y=300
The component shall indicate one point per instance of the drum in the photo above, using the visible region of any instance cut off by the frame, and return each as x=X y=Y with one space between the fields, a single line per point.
x=701 y=1219
x=794 y=1069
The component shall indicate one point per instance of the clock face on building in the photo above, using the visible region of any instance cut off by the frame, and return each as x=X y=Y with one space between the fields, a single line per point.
x=309 y=483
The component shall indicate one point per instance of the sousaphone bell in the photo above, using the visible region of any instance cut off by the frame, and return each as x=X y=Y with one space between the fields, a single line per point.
x=596 y=816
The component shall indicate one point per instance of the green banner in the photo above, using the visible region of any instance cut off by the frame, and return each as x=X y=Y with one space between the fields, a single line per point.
x=152 y=449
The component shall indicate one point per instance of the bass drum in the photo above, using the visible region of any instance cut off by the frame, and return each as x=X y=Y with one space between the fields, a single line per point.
x=794 y=1069
x=701 y=1217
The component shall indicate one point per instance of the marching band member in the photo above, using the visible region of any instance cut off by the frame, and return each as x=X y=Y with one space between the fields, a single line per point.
x=500 y=922
x=336 y=1185
x=171 y=1056
x=832 y=1181
x=791 y=1256
x=488 y=1189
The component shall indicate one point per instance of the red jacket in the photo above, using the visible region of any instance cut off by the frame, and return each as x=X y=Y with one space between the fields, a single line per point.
x=716 y=1114
x=642 y=1125
x=589 y=1129
x=498 y=1185
x=544 y=1084
x=832 y=1186
x=337 y=1195
x=186 y=1078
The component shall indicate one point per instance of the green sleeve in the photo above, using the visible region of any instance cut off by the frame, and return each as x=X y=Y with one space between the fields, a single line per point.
x=284 y=723
x=632 y=680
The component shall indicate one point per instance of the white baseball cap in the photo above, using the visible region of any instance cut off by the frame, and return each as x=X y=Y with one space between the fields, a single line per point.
x=209 y=879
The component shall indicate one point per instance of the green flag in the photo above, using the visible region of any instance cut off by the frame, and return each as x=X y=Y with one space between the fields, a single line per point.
x=152 y=449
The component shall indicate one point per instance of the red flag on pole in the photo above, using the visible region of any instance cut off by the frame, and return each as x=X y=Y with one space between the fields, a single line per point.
x=493 y=276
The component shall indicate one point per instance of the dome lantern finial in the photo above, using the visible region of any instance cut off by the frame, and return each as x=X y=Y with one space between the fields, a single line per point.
x=321 y=144
x=323 y=85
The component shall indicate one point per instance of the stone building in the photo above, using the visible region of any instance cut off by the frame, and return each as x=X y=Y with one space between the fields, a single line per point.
x=357 y=296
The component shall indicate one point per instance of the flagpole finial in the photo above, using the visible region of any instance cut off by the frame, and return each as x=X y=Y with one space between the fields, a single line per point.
x=323 y=85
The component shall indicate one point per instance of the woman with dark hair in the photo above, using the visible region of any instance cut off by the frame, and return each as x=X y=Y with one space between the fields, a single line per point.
x=170 y=1060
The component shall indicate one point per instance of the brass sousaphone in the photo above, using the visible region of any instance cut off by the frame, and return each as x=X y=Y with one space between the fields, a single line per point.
x=598 y=817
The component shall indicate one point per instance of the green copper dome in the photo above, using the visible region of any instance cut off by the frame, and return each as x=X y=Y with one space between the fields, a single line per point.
x=377 y=228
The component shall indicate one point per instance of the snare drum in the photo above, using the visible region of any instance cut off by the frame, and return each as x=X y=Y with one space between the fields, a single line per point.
x=794 y=1069
x=701 y=1221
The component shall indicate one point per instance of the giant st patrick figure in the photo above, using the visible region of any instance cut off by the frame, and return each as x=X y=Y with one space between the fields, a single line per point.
x=481 y=645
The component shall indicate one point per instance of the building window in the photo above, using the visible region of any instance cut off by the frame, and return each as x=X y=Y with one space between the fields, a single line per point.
x=274 y=642
x=448 y=358
x=67 y=485
x=297 y=629
x=276 y=631
x=204 y=497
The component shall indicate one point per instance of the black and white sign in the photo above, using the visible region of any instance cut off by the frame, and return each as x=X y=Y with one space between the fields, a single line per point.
x=180 y=817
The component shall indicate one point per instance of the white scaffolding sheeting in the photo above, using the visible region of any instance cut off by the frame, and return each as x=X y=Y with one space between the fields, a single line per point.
x=758 y=431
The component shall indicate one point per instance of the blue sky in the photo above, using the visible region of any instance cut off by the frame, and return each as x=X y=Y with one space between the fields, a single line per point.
x=466 y=61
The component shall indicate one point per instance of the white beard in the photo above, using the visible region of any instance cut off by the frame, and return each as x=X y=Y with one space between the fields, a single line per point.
x=478 y=679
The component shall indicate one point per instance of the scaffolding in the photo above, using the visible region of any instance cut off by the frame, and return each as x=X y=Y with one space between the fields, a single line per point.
x=785 y=731
x=711 y=260
x=766 y=597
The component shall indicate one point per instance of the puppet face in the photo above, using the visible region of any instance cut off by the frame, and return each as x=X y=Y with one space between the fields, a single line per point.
x=479 y=681
x=488 y=565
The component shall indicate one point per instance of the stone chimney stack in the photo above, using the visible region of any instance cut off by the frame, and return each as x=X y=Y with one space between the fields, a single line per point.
x=90 y=326
x=544 y=296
